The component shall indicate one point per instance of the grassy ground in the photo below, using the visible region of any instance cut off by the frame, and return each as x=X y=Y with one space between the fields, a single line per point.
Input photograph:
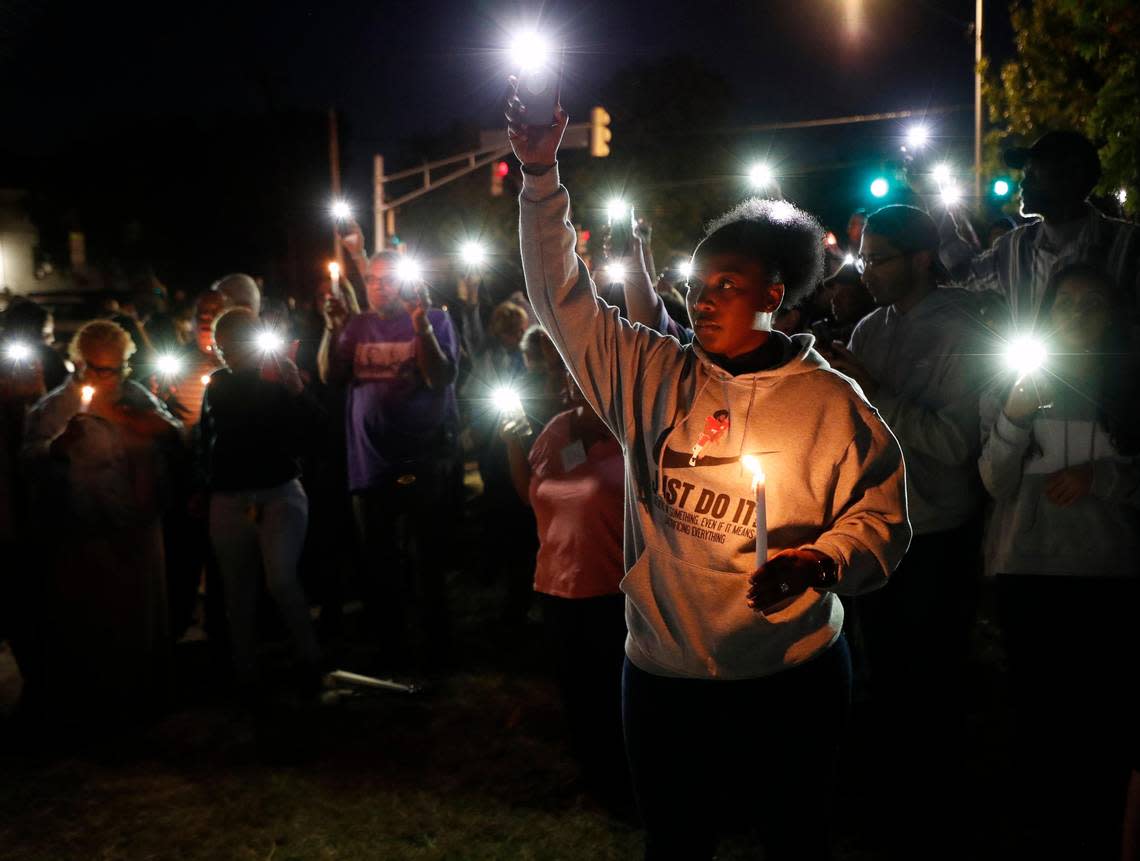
x=475 y=767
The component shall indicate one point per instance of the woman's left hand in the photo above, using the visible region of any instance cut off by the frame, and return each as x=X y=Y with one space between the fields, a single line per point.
x=786 y=575
x=1067 y=486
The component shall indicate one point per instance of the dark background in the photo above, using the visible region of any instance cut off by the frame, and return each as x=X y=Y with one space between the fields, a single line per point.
x=192 y=137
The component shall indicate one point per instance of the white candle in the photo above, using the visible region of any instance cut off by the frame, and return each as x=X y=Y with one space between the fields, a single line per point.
x=758 y=487
x=85 y=396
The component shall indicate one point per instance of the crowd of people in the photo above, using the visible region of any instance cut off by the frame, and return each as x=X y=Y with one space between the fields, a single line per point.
x=745 y=490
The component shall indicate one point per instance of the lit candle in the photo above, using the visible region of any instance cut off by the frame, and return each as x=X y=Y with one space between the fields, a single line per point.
x=752 y=463
x=334 y=274
x=85 y=396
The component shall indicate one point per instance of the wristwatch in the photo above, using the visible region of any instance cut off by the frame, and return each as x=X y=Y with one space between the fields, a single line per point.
x=826 y=571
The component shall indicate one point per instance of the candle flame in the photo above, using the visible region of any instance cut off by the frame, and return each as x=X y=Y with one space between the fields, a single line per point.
x=752 y=464
x=87 y=393
x=334 y=270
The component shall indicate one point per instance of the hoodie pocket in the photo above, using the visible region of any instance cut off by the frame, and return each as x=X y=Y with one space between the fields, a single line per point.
x=695 y=621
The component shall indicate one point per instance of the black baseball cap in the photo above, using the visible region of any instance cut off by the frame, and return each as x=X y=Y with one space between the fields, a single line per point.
x=1058 y=146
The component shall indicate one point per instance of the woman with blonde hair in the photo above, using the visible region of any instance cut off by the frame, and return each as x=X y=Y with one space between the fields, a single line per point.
x=100 y=450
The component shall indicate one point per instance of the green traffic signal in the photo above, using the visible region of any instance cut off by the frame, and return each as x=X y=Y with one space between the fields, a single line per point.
x=880 y=187
x=1001 y=187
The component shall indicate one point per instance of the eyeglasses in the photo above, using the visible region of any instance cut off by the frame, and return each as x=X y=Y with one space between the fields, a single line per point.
x=103 y=370
x=863 y=263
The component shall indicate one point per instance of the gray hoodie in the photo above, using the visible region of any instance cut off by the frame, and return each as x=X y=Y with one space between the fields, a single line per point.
x=930 y=363
x=834 y=472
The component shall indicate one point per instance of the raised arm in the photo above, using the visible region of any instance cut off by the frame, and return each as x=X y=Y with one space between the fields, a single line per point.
x=606 y=355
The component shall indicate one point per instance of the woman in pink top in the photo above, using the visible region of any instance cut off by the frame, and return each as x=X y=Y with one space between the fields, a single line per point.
x=574 y=479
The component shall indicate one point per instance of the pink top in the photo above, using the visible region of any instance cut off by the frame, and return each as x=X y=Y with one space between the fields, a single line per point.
x=577 y=497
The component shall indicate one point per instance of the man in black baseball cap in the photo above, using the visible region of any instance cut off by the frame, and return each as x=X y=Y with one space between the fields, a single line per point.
x=1060 y=169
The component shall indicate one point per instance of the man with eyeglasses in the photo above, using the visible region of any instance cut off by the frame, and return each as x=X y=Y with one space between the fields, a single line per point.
x=398 y=361
x=917 y=359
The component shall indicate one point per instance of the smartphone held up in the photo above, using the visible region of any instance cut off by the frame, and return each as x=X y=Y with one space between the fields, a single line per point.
x=539 y=74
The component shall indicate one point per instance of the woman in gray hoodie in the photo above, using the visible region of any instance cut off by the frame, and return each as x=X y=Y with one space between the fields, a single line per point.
x=737 y=678
x=1060 y=458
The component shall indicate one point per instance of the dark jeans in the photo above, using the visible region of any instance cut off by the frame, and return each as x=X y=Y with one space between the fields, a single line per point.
x=586 y=637
x=404 y=534
x=1072 y=649
x=757 y=752
x=916 y=643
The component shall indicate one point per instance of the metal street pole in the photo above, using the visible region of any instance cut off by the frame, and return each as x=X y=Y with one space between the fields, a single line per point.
x=978 y=19
x=380 y=242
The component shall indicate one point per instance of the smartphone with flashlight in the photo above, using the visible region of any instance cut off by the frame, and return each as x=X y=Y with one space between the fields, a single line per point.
x=621 y=234
x=539 y=89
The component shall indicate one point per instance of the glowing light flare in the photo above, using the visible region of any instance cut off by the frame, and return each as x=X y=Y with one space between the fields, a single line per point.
x=950 y=194
x=341 y=210
x=1025 y=354
x=473 y=253
x=615 y=272
x=506 y=400
x=752 y=464
x=85 y=396
x=530 y=50
x=269 y=341
x=334 y=271
x=830 y=240
x=848 y=259
x=1001 y=187
x=409 y=269
x=685 y=268
x=169 y=365
x=1122 y=195
x=616 y=208
x=18 y=351
x=941 y=173
x=760 y=175
x=917 y=136
x=880 y=187
x=205 y=379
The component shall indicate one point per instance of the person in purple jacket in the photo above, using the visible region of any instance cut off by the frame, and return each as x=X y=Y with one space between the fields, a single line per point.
x=398 y=363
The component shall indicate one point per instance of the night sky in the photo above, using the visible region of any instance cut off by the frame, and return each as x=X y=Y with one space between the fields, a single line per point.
x=75 y=76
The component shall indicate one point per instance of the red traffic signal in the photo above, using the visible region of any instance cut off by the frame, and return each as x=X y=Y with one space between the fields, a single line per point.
x=502 y=168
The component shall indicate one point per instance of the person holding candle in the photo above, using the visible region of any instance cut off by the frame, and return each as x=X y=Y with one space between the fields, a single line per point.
x=737 y=678
x=100 y=473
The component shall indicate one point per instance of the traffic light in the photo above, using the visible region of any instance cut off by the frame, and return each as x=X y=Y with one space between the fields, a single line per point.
x=600 y=134
x=499 y=170
x=880 y=186
x=1001 y=188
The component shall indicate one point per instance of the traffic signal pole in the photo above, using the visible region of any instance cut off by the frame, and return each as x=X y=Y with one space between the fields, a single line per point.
x=491 y=150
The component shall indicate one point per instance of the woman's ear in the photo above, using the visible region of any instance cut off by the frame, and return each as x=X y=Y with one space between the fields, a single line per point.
x=773 y=297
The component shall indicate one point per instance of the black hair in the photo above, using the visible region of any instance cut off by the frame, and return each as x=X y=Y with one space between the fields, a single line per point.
x=26 y=318
x=787 y=241
x=910 y=230
x=1118 y=404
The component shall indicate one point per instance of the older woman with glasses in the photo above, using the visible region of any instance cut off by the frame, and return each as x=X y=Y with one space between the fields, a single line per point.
x=100 y=450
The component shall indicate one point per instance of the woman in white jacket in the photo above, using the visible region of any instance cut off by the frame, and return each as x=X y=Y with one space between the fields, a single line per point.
x=1060 y=459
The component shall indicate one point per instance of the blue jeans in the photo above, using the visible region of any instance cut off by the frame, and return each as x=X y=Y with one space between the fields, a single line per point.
x=755 y=752
x=258 y=532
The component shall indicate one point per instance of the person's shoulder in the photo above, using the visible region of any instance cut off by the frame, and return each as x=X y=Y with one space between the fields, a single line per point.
x=552 y=438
